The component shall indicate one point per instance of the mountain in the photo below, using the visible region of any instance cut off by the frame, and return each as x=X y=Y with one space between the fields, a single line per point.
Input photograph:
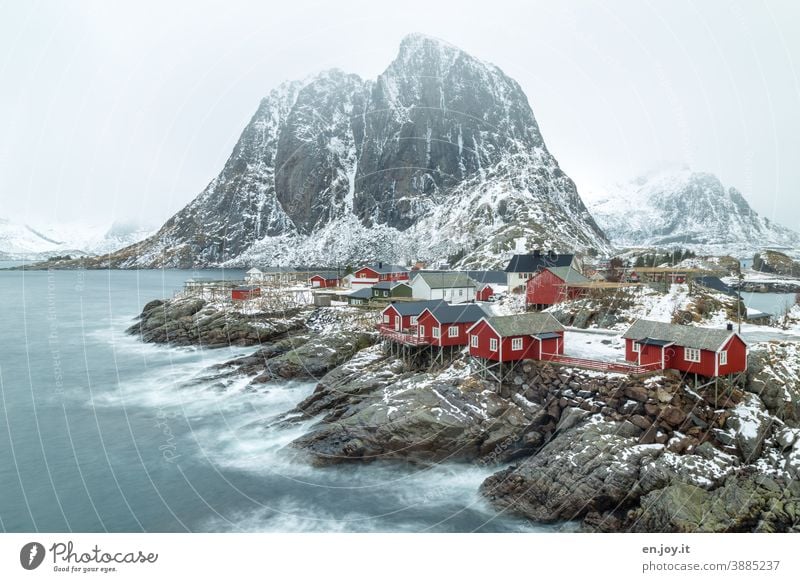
x=438 y=157
x=678 y=207
x=22 y=241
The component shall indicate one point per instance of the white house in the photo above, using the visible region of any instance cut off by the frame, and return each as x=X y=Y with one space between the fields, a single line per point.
x=254 y=275
x=452 y=287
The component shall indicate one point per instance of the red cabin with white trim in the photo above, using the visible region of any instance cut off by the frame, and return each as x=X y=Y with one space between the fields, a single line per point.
x=404 y=315
x=379 y=273
x=323 y=280
x=695 y=350
x=552 y=285
x=484 y=293
x=447 y=325
x=528 y=336
x=244 y=293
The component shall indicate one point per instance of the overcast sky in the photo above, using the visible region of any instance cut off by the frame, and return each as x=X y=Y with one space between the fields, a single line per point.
x=125 y=110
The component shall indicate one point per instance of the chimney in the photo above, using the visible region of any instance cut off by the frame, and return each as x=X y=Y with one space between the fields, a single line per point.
x=380 y=265
x=730 y=327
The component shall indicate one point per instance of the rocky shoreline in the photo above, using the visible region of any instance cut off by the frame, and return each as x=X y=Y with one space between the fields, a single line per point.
x=611 y=452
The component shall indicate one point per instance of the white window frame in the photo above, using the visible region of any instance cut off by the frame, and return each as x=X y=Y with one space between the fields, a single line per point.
x=493 y=344
x=723 y=358
x=413 y=320
x=436 y=332
x=386 y=318
x=692 y=355
x=637 y=347
x=473 y=341
x=421 y=331
x=516 y=344
x=460 y=292
x=452 y=331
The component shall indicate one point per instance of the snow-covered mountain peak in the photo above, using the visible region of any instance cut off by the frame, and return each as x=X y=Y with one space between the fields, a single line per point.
x=440 y=156
x=25 y=241
x=678 y=207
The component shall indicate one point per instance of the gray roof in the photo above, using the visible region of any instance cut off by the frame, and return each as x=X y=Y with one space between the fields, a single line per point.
x=715 y=284
x=488 y=277
x=383 y=268
x=447 y=280
x=413 y=307
x=524 y=324
x=327 y=275
x=388 y=284
x=537 y=261
x=464 y=313
x=568 y=275
x=365 y=293
x=703 y=338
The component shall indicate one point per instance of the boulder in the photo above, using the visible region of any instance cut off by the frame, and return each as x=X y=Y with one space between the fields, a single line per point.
x=750 y=424
x=591 y=468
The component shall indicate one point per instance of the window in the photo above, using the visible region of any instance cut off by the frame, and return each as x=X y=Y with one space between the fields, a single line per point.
x=413 y=320
x=385 y=293
x=516 y=344
x=723 y=358
x=637 y=347
x=452 y=331
x=436 y=332
x=493 y=344
x=691 y=354
x=385 y=319
x=460 y=292
x=473 y=341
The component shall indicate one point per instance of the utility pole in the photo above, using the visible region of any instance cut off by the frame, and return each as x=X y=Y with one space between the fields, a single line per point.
x=739 y=293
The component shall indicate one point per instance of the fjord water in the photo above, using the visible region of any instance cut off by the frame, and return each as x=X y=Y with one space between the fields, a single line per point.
x=99 y=432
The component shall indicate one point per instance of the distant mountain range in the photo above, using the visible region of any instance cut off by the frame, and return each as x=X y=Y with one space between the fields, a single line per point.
x=678 y=207
x=25 y=242
x=439 y=157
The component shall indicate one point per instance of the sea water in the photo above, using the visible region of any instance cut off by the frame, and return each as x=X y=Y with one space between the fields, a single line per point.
x=100 y=432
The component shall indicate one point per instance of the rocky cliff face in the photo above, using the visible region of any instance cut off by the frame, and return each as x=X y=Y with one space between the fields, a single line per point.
x=441 y=154
x=682 y=208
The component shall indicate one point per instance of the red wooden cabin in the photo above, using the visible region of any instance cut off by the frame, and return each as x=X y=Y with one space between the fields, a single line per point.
x=484 y=293
x=245 y=292
x=447 y=325
x=402 y=316
x=552 y=285
x=528 y=336
x=695 y=350
x=324 y=280
x=379 y=273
